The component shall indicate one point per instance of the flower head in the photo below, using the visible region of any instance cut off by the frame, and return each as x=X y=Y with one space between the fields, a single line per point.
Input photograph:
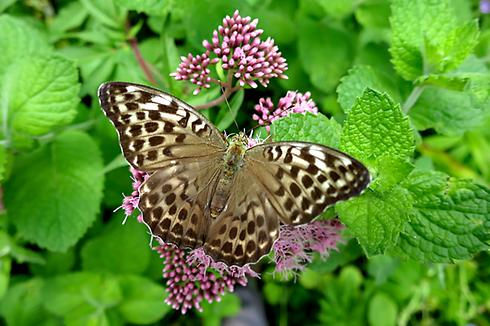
x=295 y=245
x=293 y=102
x=238 y=47
x=485 y=6
x=191 y=278
x=130 y=203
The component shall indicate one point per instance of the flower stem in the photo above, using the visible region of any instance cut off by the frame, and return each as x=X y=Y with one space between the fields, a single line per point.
x=133 y=43
x=228 y=89
x=412 y=98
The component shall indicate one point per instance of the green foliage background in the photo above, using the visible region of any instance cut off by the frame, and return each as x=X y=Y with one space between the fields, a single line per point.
x=402 y=85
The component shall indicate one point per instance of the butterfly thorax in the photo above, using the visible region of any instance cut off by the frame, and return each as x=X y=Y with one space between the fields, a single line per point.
x=232 y=162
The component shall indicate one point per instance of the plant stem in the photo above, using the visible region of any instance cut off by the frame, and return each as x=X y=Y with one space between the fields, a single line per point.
x=133 y=42
x=228 y=89
x=412 y=98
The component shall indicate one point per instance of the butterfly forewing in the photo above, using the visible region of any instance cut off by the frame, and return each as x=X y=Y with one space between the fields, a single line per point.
x=154 y=126
x=286 y=182
x=303 y=179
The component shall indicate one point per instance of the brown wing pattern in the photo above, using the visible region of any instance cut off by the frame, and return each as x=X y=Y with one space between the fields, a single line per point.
x=302 y=179
x=247 y=228
x=174 y=200
x=154 y=127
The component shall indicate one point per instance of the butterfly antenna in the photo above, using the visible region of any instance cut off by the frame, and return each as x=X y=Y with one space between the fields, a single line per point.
x=229 y=108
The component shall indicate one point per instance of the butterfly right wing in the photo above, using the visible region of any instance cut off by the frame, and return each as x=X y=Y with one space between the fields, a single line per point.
x=155 y=127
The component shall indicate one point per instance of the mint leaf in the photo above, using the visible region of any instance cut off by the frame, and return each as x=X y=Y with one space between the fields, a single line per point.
x=325 y=52
x=307 y=127
x=450 y=218
x=19 y=39
x=390 y=171
x=376 y=127
x=376 y=218
x=82 y=298
x=41 y=93
x=119 y=248
x=142 y=300
x=412 y=22
x=451 y=51
x=56 y=191
x=448 y=112
x=452 y=82
x=354 y=83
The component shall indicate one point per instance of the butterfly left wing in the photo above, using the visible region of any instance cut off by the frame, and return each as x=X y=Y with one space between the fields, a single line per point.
x=154 y=126
x=302 y=179
x=292 y=182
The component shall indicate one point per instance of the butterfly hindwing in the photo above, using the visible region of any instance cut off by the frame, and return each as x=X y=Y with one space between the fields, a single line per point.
x=154 y=126
x=174 y=200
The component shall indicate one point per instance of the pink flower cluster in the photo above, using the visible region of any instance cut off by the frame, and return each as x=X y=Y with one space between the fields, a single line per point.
x=238 y=46
x=293 y=102
x=295 y=245
x=194 y=277
x=130 y=203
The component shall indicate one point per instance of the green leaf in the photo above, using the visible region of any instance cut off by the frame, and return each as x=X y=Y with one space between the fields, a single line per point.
x=376 y=127
x=82 y=298
x=412 y=22
x=456 y=83
x=342 y=303
x=390 y=171
x=214 y=312
x=142 y=300
x=19 y=40
x=374 y=14
x=450 y=218
x=119 y=248
x=56 y=191
x=353 y=85
x=381 y=267
x=382 y=310
x=449 y=112
x=315 y=128
x=22 y=305
x=3 y=161
x=376 y=218
x=69 y=17
x=107 y=12
x=338 y=9
x=227 y=115
x=54 y=263
x=326 y=52
x=5 y=266
x=41 y=93
x=5 y=4
x=453 y=49
x=151 y=7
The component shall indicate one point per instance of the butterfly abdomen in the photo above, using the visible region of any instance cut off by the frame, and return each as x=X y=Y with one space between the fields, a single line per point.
x=232 y=163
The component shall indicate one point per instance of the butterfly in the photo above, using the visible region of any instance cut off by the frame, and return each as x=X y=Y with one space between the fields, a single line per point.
x=209 y=191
